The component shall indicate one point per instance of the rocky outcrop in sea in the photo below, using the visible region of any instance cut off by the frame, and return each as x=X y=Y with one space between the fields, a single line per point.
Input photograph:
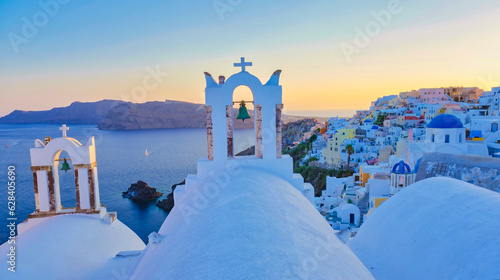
x=247 y=152
x=168 y=203
x=140 y=191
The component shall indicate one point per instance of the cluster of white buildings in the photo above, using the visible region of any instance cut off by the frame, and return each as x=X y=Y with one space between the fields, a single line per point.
x=347 y=202
x=456 y=120
x=397 y=125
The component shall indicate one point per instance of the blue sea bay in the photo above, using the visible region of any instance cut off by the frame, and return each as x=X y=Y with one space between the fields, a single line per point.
x=121 y=160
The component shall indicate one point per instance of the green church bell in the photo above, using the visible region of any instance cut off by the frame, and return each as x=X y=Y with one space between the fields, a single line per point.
x=65 y=166
x=243 y=113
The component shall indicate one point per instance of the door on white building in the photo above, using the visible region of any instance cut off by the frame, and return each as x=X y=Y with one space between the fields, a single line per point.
x=494 y=127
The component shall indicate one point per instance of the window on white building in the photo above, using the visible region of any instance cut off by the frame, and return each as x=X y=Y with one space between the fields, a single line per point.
x=433 y=138
x=447 y=138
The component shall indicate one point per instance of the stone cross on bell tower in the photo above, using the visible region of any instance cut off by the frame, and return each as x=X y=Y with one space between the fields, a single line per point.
x=64 y=129
x=243 y=64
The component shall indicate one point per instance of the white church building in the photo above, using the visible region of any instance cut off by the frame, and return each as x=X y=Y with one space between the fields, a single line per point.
x=444 y=134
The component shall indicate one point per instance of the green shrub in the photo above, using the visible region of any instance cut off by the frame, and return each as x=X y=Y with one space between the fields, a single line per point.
x=317 y=176
x=311 y=159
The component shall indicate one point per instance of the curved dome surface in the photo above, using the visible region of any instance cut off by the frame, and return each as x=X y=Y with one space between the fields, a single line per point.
x=437 y=228
x=445 y=121
x=257 y=226
x=73 y=246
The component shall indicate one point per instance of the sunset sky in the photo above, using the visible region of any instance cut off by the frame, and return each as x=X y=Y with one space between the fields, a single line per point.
x=94 y=50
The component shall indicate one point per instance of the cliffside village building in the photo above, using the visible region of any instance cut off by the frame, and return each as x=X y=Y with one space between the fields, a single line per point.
x=395 y=135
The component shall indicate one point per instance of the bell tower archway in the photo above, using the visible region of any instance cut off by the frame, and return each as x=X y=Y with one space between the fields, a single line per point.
x=267 y=101
x=244 y=118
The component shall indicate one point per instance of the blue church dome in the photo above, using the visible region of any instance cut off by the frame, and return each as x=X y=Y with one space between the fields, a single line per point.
x=445 y=121
x=375 y=127
x=401 y=168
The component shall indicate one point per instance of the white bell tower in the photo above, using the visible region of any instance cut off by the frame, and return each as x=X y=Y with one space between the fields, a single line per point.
x=45 y=166
x=267 y=100
x=219 y=109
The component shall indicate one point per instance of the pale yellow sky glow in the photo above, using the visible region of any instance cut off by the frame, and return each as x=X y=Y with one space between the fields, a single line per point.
x=427 y=44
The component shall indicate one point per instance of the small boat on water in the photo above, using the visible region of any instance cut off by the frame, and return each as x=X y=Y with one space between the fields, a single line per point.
x=147 y=154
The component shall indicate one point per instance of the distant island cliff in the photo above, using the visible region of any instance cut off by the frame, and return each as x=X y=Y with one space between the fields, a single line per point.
x=152 y=115
x=121 y=115
x=76 y=113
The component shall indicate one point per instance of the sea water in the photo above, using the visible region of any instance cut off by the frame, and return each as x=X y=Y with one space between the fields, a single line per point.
x=121 y=161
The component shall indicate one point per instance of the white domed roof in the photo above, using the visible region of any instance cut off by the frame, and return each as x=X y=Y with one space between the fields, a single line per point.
x=349 y=206
x=74 y=246
x=438 y=228
x=258 y=226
